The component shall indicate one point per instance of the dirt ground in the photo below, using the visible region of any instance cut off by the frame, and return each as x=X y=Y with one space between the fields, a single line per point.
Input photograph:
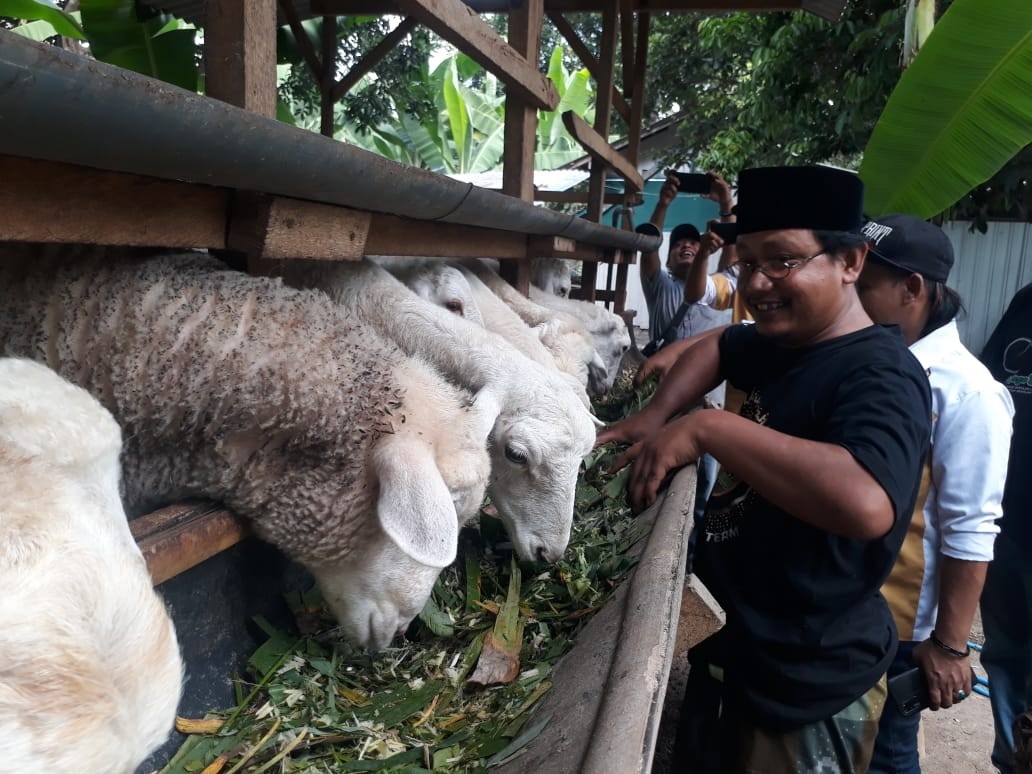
x=954 y=741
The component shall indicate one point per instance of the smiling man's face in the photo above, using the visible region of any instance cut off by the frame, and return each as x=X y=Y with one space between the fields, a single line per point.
x=681 y=256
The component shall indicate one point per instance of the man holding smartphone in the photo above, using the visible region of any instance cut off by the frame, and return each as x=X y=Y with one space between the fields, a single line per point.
x=671 y=317
x=664 y=287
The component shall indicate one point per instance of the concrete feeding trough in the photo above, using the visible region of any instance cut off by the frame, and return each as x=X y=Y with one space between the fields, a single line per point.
x=604 y=710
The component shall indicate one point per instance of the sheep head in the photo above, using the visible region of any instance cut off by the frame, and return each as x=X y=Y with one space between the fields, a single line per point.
x=535 y=460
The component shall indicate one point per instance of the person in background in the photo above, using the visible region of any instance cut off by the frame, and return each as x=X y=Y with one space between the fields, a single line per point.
x=820 y=475
x=1007 y=598
x=670 y=318
x=934 y=587
x=663 y=288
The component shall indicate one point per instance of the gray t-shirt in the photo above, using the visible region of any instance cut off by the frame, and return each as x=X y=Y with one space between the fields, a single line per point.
x=663 y=295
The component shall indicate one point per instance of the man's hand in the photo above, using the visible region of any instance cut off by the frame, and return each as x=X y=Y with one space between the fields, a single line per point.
x=669 y=190
x=720 y=192
x=709 y=242
x=630 y=430
x=946 y=674
x=670 y=448
x=658 y=365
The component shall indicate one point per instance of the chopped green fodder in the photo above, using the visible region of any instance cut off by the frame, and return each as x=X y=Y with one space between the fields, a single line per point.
x=315 y=703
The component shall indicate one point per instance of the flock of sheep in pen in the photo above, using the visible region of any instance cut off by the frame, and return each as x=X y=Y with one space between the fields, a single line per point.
x=355 y=413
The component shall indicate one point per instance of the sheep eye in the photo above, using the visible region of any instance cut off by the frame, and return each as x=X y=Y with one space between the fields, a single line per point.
x=453 y=306
x=514 y=455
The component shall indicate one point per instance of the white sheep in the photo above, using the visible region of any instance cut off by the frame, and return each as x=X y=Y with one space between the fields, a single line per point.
x=354 y=459
x=552 y=275
x=608 y=329
x=458 y=290
x=90 y=670
x=542 y=431
x=565 y=335
x=437 y=282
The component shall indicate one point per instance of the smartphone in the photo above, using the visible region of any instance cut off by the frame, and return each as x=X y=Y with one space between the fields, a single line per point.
x=910 y=691
x=694 y=182
x=726 y=231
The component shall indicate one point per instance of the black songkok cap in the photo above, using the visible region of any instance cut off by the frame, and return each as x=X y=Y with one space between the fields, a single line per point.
x=816 y=198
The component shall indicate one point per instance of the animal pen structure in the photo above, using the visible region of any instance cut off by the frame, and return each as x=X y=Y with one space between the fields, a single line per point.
x=92 y=154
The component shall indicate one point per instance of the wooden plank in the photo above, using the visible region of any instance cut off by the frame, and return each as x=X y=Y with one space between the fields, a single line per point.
x=304 y=43
x=520 y=131
x=47 y=201
x=176 y=538
x=380 y=7
x=373 y=58
x=328 y=45
x=240 y=54
x=548 y=246
x=596 y=145
x=459 y=25
x=392 y=235
x=274 y=228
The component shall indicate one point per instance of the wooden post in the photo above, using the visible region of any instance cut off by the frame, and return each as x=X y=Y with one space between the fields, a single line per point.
x=603 y=109
x=240 y=54
x=326 y=82
x=521 y=128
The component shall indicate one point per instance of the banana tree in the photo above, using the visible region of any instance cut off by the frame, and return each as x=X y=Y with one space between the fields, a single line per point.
x=960 y=112
x=466 y=133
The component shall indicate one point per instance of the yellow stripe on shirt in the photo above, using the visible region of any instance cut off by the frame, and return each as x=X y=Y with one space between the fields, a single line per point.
x=902 y=590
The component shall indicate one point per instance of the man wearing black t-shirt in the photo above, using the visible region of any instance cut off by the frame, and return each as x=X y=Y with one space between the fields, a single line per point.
x=819 y=477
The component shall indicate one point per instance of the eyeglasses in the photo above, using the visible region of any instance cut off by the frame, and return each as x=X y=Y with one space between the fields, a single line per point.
x=776 y=268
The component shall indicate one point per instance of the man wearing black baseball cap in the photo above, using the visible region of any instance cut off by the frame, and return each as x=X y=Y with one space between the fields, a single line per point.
x=935 y=585
x=819 y=478
x=663 y=288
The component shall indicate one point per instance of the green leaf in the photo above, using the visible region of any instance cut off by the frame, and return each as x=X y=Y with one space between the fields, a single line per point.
x=959 y=113
x=152 y=47
x=436 y=620
x=458 y=117
x=37 y=10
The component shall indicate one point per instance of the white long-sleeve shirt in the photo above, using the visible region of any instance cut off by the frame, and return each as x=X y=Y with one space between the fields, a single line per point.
x=961 y=484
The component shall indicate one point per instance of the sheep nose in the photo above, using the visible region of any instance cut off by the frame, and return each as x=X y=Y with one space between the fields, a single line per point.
x=542 y=554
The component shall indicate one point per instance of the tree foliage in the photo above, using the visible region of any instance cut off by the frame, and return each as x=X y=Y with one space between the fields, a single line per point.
x=775 y=88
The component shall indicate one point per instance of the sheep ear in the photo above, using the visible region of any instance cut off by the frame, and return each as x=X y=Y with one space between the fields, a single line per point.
x=415 y=507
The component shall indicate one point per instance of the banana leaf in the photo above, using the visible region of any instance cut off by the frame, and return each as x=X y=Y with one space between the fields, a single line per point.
x=161 y=47
x=959 y=113
x=62 y=23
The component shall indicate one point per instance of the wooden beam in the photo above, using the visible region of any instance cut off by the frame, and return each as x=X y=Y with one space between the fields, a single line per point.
x=549 y=246
x=240 y=54
x=459 y=25
x=373 y=58
x=590 y=60
x=304 y=43
x=47 y=201
x=381 y=7
x=596 y=145
x=520 y=131
x=391 y=235
x=276 y=228
x=328 y=44
x=641 y=55
x=176 y=538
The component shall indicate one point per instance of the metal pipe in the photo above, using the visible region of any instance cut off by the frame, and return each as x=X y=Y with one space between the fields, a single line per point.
x=62 y=107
